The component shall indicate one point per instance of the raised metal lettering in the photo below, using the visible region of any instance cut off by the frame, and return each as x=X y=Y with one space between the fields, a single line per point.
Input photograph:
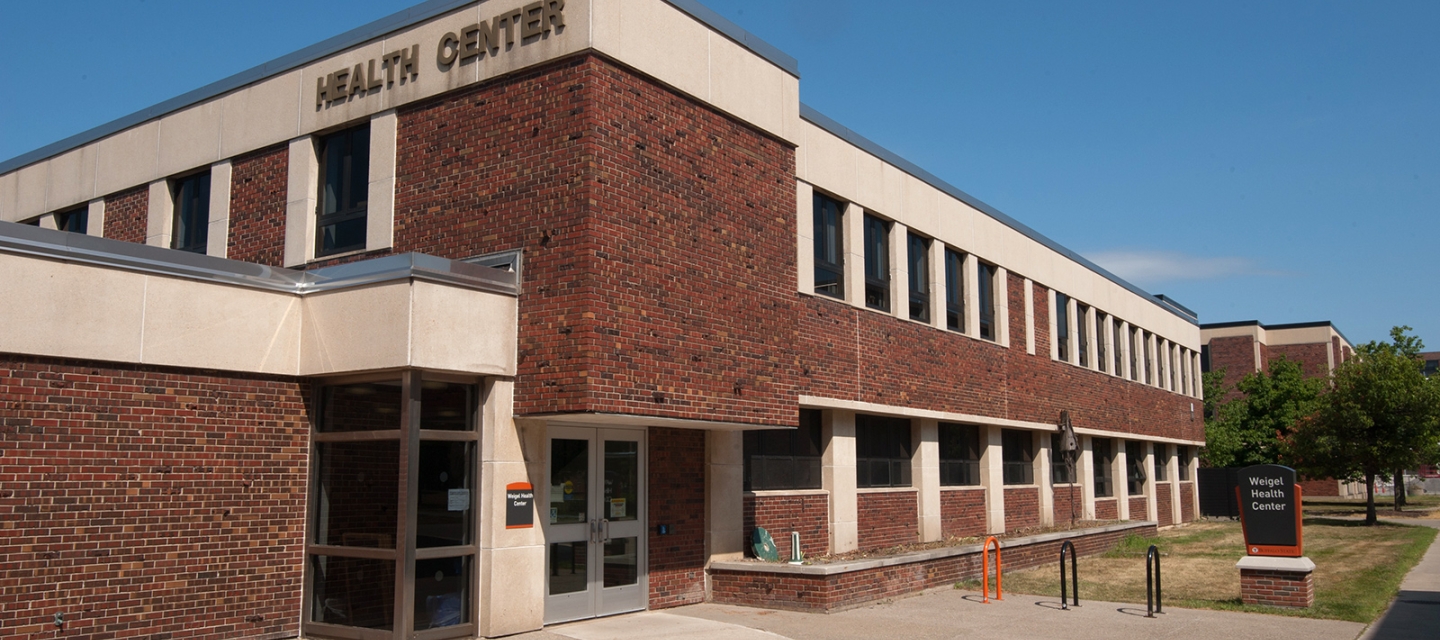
x=375 y=80
x=553 y=17
x=511 y=19
x=408 y=60
x=338 y=85
x=470 y=42
x=448 y=42
x=322 y=89
x=357 y=80
x=532 y=20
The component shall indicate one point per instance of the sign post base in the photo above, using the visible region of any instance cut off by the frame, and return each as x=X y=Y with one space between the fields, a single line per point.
x=1277 y=582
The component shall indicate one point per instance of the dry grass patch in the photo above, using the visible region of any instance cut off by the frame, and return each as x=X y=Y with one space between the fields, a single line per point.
x=1358 y=568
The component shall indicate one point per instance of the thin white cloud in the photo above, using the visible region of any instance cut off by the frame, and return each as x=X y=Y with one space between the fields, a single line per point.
x=1155 y=267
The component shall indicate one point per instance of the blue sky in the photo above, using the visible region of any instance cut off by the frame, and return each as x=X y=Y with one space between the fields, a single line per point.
x=1272 y=161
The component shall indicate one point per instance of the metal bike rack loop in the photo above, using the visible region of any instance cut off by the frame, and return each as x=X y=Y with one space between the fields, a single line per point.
x=985 y=570
x=1074 y=581
x=1152 y=588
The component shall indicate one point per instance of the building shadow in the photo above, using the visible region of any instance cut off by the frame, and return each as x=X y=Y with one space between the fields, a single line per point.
x=1414 y=614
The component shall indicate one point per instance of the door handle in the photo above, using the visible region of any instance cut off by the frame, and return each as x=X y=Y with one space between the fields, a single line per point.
x=605 y=533
x=594 y=530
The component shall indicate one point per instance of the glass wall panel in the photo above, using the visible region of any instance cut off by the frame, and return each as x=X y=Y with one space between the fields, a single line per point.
x=370 y=406
x=442 y=592
x=447 y=406
x=569 y=473
x=358 y=493
x=569 y=567
x=355 y=592
x=622 y=480
x=444 y=513
x=622 y=562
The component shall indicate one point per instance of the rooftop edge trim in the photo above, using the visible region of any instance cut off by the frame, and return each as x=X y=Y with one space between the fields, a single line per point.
x=359 y=35
x=818 y=119
x=19 y=239
x=1281 y=327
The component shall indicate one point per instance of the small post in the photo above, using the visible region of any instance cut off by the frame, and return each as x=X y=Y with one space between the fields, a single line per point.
x=1074 y=580
x=1152 y=587
x=985 y=571
x=796 y=557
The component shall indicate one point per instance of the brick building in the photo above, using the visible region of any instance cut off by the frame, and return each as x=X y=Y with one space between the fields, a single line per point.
x=1245 y=347
x=494 y=314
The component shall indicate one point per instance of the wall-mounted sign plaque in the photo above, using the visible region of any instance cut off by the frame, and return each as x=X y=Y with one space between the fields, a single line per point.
x=1270 y=510
x=519 y=505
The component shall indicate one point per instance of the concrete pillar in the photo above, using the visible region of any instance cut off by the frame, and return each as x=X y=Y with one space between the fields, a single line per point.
x=724 y=489
x=380 y=210
x=512 y=561
x=1150 y=502
x=925 y=471
x=1002 y=306
x=838 y=477
x=1030 y=316
x=1043 y=477
x=1118 y=471
x=1125 y=347
x=936 y=264
x=972 y=295
x=301 y=193
x=853 y=239
x=160 y=214
x=1172 y=473
x=95 y=218
x=899 y=270
x=805 y=237
x=1071 y=309
x=1054 y=324
x=992 y=478
x=217 y=229
x=1085 y=475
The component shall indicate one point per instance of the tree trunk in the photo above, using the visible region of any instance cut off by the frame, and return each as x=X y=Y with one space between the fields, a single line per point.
x=1370 y=499
x=1399 y=488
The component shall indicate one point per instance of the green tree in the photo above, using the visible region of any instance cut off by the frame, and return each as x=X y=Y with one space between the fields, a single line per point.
x=1250 y=428
x=1382 y=414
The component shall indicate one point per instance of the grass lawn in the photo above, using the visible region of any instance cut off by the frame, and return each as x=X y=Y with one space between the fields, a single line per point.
x=1416 y=506
x=1357 y=569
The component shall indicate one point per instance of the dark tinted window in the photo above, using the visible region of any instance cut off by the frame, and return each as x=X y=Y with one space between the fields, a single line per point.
x=1102 y=359
x=882 y=451
x=1061 y=463
x=829 y=247
x=877 y=263
x=344 y=190
x=1062 y=326
x=986 y=295
x=1135 y=467
x=1182 y=458
x=959 y=455
x=1082 y=337
x=784 y=458
x=919 y=264
x=1162 y=459
x=1102 y=457
x=1018 y=453
x=954 y=290
x=192 y=212
x=74 y=220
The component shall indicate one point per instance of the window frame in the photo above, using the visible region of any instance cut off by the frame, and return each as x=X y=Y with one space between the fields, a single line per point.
x=962 y=470
x=883 y=442
x=1182 y=461
x=829 y=241
x=985 y=274
x=190 y=217
x=1102 y=459
x=1082 y=337
x=1136 y=471
x=1058 y=467
x=79 y=216
x=766 y=445
x=954 y=290
x=1160 y=466
x=877 y=263
x=1017 y=457
x=1062 y=326
x=917 y=250
x=1101 y=355
x=354 y=179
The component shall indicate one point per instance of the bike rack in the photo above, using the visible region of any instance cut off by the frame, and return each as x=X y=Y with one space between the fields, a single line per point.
x=985 y=570
x=1074 y=581
x=1152 y=589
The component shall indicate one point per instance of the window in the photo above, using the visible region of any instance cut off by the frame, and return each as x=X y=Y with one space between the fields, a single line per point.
x=1062 y=469
x=1149 y=358
x=191 y=196
x=882 y=451
x=1018 y=456
x=829 y=247
x=987 y=300
x=954 y=290
x=877 y=263
x=1082 y=315
x=1135 y=463
x=358 y=498
x=1062 y=326
x=1102 y=454
x=1182 y=458
x=75 y=220
x=1134 y=354
x=1162 y=362
x=1204 y=358
x=919 y=263
x=1119 y=340
x=784 y=458
x=1102 y=360
x=1162 y=462
x=344 y=190
x=959 y=455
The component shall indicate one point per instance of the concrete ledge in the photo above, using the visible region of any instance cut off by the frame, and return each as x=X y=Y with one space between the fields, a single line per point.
x=1270 y=563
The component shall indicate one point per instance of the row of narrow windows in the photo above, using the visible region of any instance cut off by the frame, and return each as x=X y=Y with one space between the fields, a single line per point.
x=1146 y=365
x=344 y=159
x=791 y=459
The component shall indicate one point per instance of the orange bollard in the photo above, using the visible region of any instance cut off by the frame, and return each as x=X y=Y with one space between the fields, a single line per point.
x=985 y=571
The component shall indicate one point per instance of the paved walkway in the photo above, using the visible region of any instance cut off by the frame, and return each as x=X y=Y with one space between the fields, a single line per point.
x=1416 y=612
x=950 y=613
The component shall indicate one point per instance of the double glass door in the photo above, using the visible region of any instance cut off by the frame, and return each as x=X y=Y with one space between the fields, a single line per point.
x=594 y=523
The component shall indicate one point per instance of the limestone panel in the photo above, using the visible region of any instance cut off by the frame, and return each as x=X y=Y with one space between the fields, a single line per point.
x=457 y=329
x=190 y=137
x=128 y=158
x=193 y=324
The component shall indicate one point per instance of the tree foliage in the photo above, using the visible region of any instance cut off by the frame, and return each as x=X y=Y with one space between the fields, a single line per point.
x=1382 y=414
x=1250 y=428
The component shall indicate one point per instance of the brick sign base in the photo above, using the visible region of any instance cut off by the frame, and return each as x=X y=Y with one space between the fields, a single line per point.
x=1277 y=582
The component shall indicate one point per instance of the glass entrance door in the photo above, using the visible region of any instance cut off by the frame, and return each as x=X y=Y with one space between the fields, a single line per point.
x=595 y=530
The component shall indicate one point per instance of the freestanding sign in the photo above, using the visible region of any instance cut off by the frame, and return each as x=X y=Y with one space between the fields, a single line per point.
x=1270 y=510
x=519 y=503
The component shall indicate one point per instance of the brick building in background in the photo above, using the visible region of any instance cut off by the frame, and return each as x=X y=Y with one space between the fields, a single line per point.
x=494 y=314
x=1242 y=348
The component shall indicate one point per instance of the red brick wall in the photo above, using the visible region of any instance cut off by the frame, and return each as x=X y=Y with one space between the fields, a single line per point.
x=1138 y=508
x=888 y=519
x=1063 y=498
x=863 y=355
x=1277 y=588
x=808 y=514
x=1236 y=356
x=1322 y=487
x=1106 y=509
x=127 y=215
x=677 y=498
x=257 y=207
x=962 y=512
x=1164 y=511
x=1187 y=501
x=1022 y=508
x=1314 y=358
x=818 y=593
x=147 y=501
x=658 y=235
x=1041 y=301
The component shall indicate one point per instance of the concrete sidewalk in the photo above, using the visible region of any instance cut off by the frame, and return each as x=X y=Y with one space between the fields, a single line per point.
x=1416 y=612
x=950 y=613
